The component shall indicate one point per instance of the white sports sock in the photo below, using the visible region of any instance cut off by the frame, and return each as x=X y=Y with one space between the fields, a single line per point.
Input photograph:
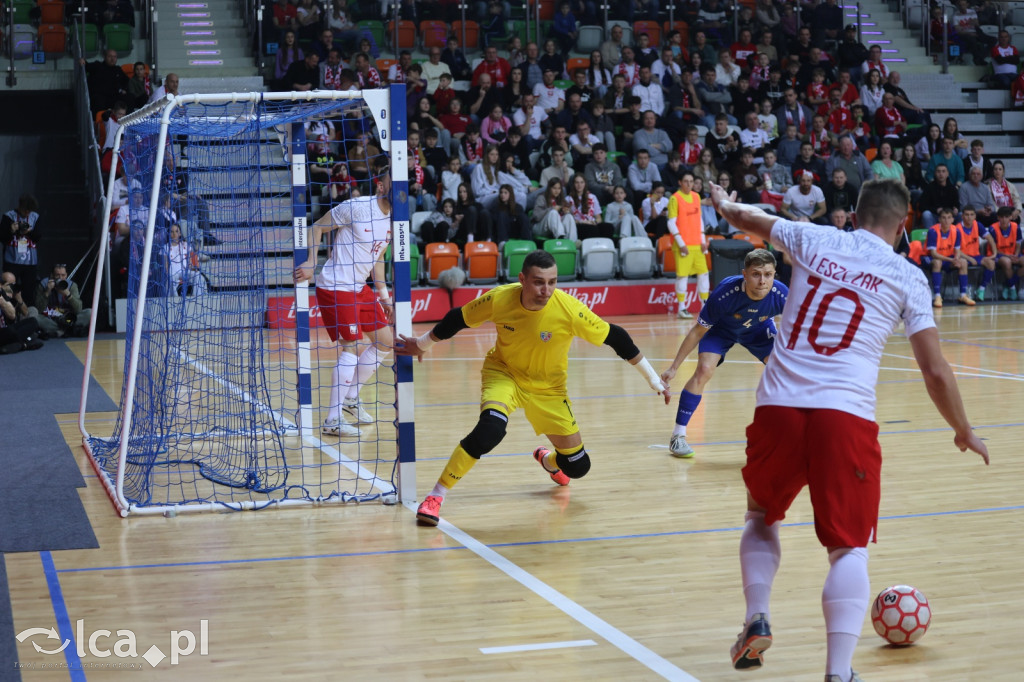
x=681 y=286
x=369 y=361
x=679 y=430
x=341 y=379
x=844 y=601
x=703 y=285
x=760 y=554
x=439 y=490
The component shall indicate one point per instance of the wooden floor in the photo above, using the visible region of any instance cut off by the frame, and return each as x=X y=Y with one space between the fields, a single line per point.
x=632 y=573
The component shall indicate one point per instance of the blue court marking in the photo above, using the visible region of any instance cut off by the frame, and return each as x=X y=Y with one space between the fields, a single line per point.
x=563 y=541
x=60 y=610
x=983 y=345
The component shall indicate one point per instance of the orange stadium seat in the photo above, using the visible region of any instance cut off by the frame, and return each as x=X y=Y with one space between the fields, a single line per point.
x=53 y=39
x=756 y=242
x=482 y=262
x=406 y=34
x=440 y=256
x=577 y=63
x=433 y=33
x=666 y=261
x=472 y=40
x=51 y=11
x=651 y=28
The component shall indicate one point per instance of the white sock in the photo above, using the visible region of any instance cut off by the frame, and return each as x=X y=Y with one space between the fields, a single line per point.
x=369 y=361
x=844 y=601
x=760 y=554
x=341 y=379
x=681 y=286
x=679 y=430
x=703 y=285
x=439 y=490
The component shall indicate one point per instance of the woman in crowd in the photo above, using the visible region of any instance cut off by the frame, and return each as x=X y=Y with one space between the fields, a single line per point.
x=884 y=166
x=474 y=221
x=512 y=94
x=1003 y=191
x=598 y=76
x=586 y=211
x=509 y=218
x=951 y=129
x=552 y=214
x=871 y=92
x=552 y=59
x=442 y=225
x=913 y=176
x=288 y=53
x=930 y=143
x=494 y=128
x=485 y=178
x=705 y=167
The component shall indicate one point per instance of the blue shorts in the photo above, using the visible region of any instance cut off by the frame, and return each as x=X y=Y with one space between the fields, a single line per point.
x=760 y=345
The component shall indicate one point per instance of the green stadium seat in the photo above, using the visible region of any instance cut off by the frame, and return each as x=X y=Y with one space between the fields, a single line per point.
x=415 y=263
x=89 y=35
x=919 y=235
x=513 y=256
x=118 y=37
x=565 y=255
x=376 y=30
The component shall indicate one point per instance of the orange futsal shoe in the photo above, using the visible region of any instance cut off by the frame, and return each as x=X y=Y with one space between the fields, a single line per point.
x=429 y=512
x=557 y=476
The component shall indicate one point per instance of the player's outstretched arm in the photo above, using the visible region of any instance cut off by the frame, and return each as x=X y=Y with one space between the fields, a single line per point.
x=452 y=323
x=622 y=343
x=942 y=389
x=747 y=218
x=690 y=341
x=326 y=224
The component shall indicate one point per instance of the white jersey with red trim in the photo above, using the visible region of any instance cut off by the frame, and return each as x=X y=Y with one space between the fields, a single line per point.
x=848 y=293
x=364 y=231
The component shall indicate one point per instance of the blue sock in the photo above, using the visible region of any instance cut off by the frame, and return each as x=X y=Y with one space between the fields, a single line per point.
x=963 y=284
x=936 y=282
x=688 y=403
x=1012 y=282
x=986 y=277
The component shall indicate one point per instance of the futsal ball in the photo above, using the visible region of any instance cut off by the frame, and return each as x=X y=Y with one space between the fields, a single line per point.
x=901 y=614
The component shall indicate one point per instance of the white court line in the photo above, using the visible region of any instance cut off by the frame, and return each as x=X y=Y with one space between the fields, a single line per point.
x=605 y=630
x=536 y=647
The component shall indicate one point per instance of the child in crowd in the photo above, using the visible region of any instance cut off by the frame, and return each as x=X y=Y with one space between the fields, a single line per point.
x=620 y=214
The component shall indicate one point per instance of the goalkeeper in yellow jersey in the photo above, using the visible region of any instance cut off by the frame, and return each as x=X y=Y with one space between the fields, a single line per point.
x=527 y=368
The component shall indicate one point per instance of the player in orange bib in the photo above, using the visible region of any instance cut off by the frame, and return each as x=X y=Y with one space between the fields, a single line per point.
x=1006 y=234
x=944 y=251
x=688 y=242
x=972 y=235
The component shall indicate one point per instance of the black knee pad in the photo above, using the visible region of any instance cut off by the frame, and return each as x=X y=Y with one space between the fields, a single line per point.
x=487 y=433
x=574 y=465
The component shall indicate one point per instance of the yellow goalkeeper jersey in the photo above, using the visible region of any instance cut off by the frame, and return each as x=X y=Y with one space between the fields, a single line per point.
x=533 y=345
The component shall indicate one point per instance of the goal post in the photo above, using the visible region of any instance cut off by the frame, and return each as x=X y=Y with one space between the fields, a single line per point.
x=225 y=363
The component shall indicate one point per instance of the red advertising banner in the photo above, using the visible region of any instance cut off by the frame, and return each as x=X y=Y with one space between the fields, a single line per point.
x=430 y=305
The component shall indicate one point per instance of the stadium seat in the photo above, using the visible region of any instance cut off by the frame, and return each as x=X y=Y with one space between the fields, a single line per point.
x=515 y=252
x=433 y=34
x=870 y=153
x=51 y=11
x=472 y=40
x=415 y=262
x=418 y=218
x=589 y=38
x=577 y=63
x=627 y=30
x=406 y=34
x=652 y=29
x=563 y=84
x=682 y=27
x=439 y=257
x=481 y=262
x=919 y=235
x=565 y=255
x=383 y=65
x=21 y=11
x=118 y=37
x=756 y=242
x=546 y=10
x=24 y=37
x=599 y=258
x=666 y=260
x=53 y=40
x=637 y=258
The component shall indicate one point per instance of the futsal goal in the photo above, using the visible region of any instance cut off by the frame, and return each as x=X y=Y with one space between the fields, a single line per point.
x=226 y=370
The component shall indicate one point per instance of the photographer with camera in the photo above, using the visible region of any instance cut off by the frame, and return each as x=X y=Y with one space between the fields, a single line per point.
x=18 y=331
x=60 y=305
x=20 y=234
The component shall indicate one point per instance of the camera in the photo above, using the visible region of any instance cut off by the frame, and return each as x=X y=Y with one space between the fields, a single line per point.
x=62 y=285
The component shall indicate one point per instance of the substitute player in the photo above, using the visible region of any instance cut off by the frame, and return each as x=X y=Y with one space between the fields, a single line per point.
x=1008 y=259
x=972 y=236
x=527 y=368
x=815 y=419
x=688 y=242
x=944 y=251
x=739 y=310
x=362 y=231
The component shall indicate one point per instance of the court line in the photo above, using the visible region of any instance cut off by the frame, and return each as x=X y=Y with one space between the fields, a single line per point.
x=983 y=345
x=60 y=610
x=563 y=541
x=611 y=634
x=536 y=647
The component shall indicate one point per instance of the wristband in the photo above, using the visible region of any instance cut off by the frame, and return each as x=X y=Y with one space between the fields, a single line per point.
x=653 y=380
x=425 y=342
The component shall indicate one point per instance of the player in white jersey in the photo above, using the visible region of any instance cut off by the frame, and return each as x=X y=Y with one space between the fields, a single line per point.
x=814 y=423
x=362 y=232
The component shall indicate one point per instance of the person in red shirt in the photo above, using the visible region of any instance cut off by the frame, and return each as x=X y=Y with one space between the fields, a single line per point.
x=1017 y=91
x=743 y=49
x=848 y=92
x=889 y=122
x=285 y=18
x=455 y=121
x=1005 y=60
x=817 y=89
x=497 y=67
x=838 y=117
x=444 y=94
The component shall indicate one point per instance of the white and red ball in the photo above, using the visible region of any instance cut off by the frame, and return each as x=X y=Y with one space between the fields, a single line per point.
x=901 y=614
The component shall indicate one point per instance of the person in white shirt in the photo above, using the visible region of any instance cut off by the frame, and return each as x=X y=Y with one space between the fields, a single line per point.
x=652 y=97
x=754 y=137
x=804 y=202
x=814 y=424
x=529 y=118
x=550 y=98
x=433 y=69
x=666 y=71
x=654 y=211
x=361 y=229
x=620 y=214
x=726 y=70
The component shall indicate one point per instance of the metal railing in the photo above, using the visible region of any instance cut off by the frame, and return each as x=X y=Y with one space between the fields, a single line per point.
x=8 y=24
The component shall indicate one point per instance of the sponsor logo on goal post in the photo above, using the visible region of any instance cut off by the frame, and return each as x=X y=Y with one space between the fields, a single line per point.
x=103 y=645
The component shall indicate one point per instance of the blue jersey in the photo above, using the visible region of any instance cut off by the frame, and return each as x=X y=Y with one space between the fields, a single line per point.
x=733 y=315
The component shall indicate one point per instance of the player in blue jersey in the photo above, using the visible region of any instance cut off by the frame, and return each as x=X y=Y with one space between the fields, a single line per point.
x=739 y=310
